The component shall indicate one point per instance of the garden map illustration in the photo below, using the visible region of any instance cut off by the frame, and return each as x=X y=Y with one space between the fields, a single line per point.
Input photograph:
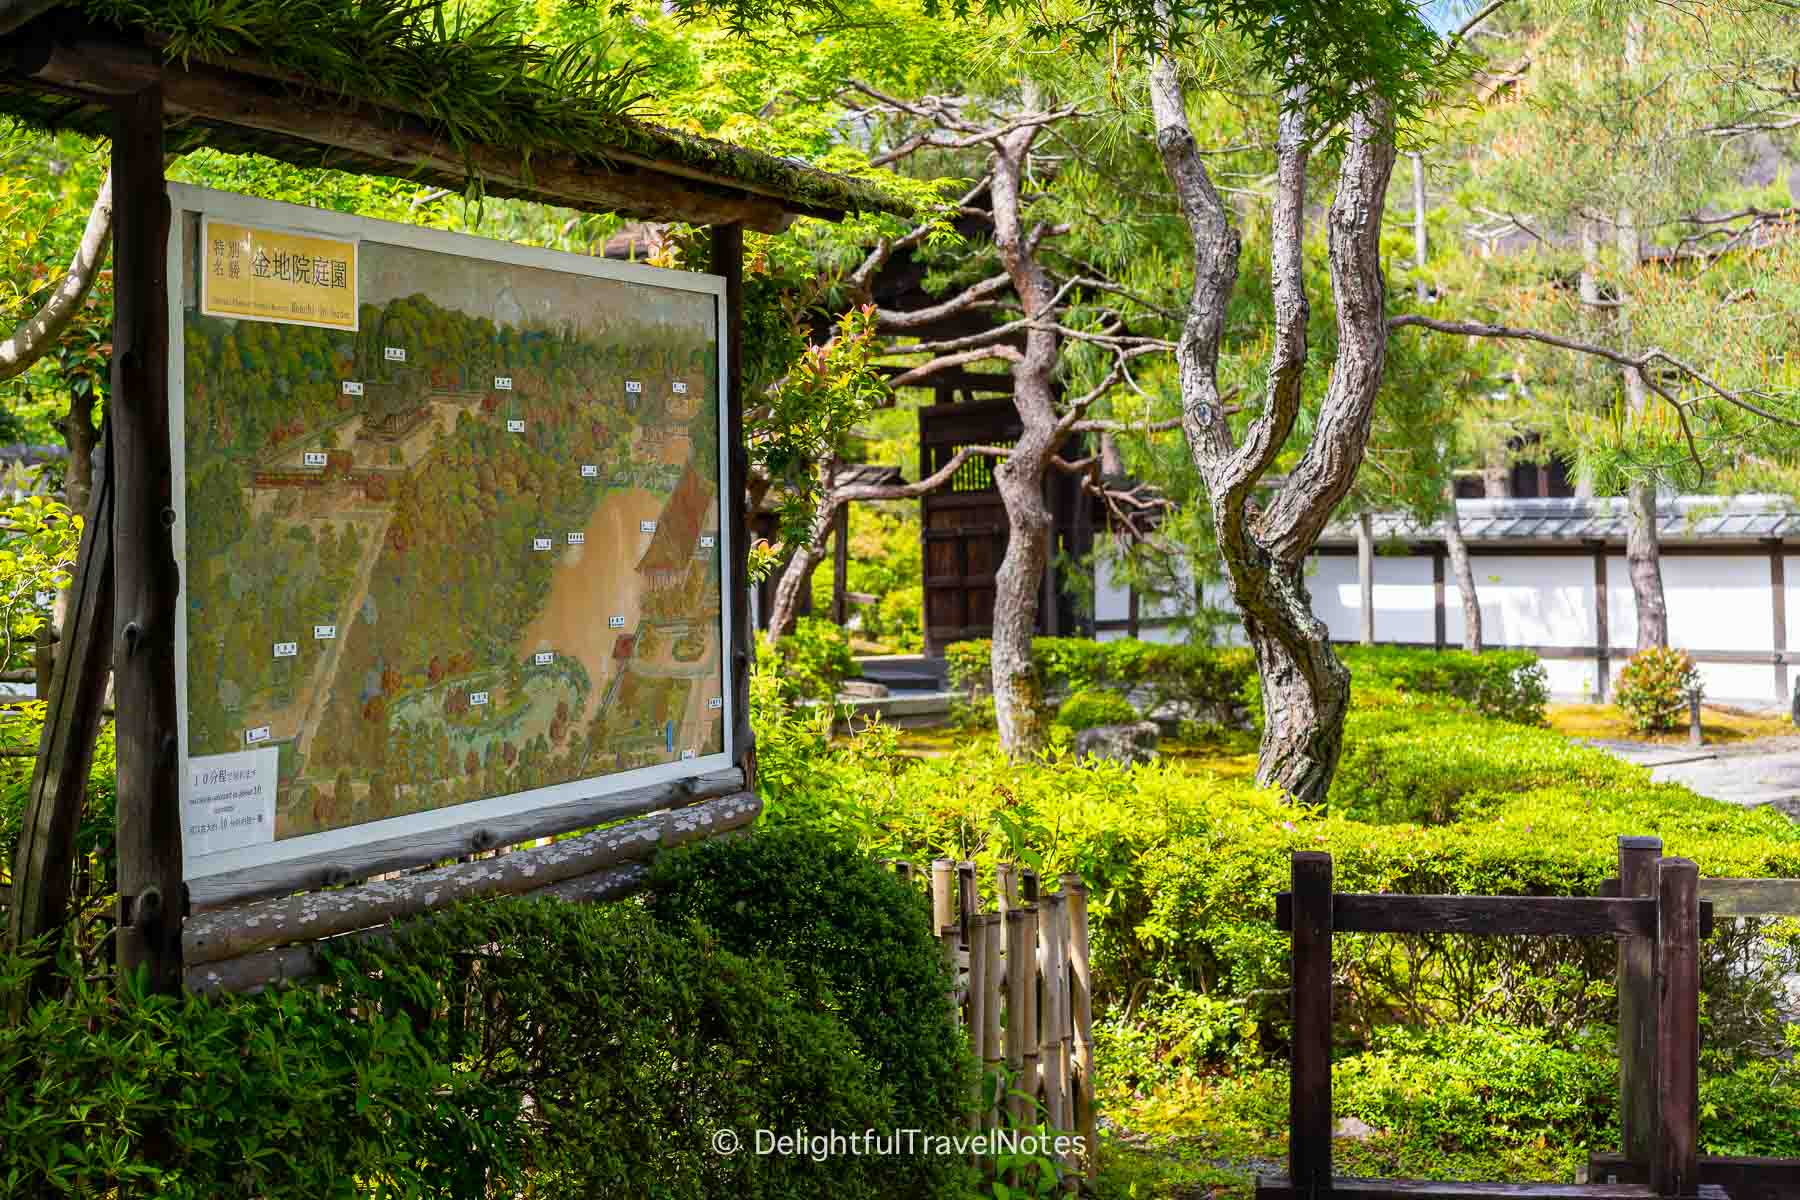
x=466 y=550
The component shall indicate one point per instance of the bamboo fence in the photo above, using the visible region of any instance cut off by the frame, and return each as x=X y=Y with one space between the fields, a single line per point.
x=1034 y=1038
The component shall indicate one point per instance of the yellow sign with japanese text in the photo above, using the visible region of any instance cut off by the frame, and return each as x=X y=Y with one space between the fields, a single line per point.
x=255 y=274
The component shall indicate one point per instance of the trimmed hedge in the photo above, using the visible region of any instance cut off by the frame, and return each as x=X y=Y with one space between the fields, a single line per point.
x=522 y=1048
x=1508 y=684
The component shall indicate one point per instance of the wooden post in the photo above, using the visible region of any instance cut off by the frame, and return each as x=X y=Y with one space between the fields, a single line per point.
x=1056 y=1018
x=43 y=873
x=904 y=870
x=840 y=565
x=968 y=902
x=1638 y=857
x=1440 y=619
x=1675 y=1167
x=1006 y=888
x=1018 y=980
x=992 y=929
x=1365 y=575
x=1778 y=602
x=1029 y=1011
x=1309 y=1082
x=1081 y=1001
x=1696 y=736
x=942 y=915
x=146 y=579
x=1602 y=635
x=728 y=262
x=975 y=936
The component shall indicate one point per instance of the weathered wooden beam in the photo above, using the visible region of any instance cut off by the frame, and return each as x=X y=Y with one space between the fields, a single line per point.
x=146 y=581
x=1674 y=1166
x=1745 y=1178
x=258 y=101
x=1638 y=857
x=232 y=933
x=289 y=964
x=1752 y=897
x=1280 y=1187
x=1309 y=1080
x=1573 y=916
x=43 y=872
x=335 y=867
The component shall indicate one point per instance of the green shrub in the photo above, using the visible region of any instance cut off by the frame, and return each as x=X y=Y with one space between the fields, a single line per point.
x=1654 y=689
x=815 y=659
x=1211 y=678
x=1086 y=709
x=900 y=618
x=1508 y=684
x=857 y=942
x=512 y=1047
x=279 y=1095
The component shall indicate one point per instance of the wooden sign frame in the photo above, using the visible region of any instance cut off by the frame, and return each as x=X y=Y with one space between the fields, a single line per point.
x=353 y=852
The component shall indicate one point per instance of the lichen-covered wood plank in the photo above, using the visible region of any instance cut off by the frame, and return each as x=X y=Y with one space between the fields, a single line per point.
x=312 y=915
x=288 y=964
x=330 y=868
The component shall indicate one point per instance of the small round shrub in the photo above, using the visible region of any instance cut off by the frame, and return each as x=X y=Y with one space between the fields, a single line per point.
x=1654 y=689
x=1087 y=709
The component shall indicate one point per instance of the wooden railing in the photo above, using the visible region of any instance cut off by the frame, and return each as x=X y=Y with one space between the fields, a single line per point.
x=1663 y=928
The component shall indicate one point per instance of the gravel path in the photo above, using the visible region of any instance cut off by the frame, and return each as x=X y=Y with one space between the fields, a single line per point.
x=1763 y=771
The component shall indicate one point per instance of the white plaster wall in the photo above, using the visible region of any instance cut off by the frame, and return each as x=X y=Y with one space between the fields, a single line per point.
x=1717 y=602
x=1621 y=605
x=1727 y=683
x=1112 y=601
x=1526 y=601
x=1791 y=574
x=1571 y=678
x=1405 y=601
x=1337 y=595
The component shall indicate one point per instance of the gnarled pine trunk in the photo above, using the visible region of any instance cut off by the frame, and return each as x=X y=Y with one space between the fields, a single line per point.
x=1643 y=561
x=1305 y=688
x=1018 y=588
x=1464 y=573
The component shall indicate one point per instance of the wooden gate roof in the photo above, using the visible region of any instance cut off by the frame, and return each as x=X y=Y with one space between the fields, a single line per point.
x=59 y=69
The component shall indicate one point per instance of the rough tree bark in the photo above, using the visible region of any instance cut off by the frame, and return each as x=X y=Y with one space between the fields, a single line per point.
x=1305 y=689
x=1643 y=554
x=1465 y=575
x=37 y=333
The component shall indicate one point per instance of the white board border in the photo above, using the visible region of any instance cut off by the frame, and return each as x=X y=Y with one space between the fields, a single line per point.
x=304 y=852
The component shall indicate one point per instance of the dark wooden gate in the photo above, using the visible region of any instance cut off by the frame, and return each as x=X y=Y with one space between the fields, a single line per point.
x=964 y=524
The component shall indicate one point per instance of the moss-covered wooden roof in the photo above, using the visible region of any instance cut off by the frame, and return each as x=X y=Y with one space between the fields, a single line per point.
x=328 y=83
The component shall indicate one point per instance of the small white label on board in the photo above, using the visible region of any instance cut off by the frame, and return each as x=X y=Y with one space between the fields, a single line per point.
x=632 y=387
x=540 y=543
x=324 y=633
x=680 y=389
x=577 y=539
x=477 y=699
x=503 y=383
x=395 y=353
x=515 y=427
x=352 y=388
x=646 y=526
x=706 y=543
x=253 y=736
x=543 y=658
x=615 y=622
x=316 y=458
x=686 y=754
x=590 y=470
x=716 y=703
x=286 y=649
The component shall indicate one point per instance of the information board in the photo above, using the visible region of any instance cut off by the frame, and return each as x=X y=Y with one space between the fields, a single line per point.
x=448 y=515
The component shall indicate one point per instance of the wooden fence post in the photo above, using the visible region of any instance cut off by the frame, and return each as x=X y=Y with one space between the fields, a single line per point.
x=977 y=997
x=1018 y=986
x=146 y=578
x=1081 y=998
x=992 y=934
x=1309 y=1082
x=1675 y=1167
x=1638 y=857
x=1050 y=1044
x=43 y=872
